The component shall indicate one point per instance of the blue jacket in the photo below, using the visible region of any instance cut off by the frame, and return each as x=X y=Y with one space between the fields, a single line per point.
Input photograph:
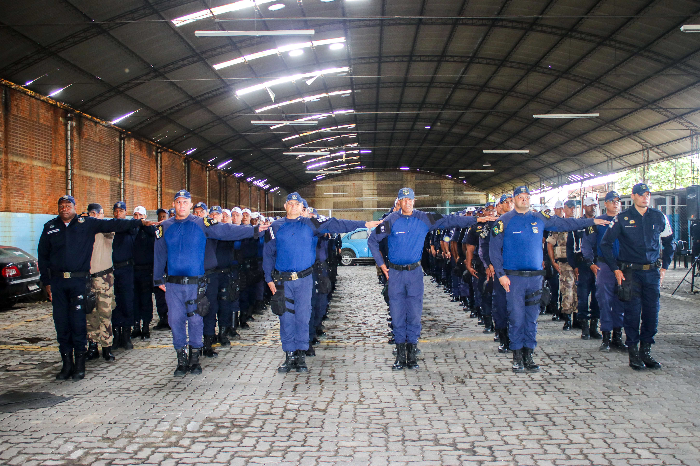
x=144 y=246
x=590 y=246
x=406 y=234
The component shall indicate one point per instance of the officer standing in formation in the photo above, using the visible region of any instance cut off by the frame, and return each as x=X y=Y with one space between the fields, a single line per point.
x=123 y=259
x=144 y=242
x=515 y=251
x=556 y=247
x=639 y=269
x=64 y=253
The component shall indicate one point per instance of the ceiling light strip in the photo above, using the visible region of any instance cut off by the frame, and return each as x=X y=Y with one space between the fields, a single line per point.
x=278 y=32
x=211 y=12
x=332 y=138
x=331 y=128
x=566 y=115
x=506 y=151
x=280 y=123
x=277 y=51
x=304 y=99
x=288 y=79
x=319 y=116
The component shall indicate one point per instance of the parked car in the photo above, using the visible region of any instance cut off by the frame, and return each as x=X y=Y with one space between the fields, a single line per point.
x=355 y=247
x=19 y=275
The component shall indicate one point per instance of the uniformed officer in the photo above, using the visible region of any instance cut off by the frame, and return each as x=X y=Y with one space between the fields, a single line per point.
x=249 y=272
x=515 y=250
x=161 y=305
x=143 y=278
x=639 y=270
x=64 y=252
x=171 y=213
x=225 y=216
x=162 y=215
x=123 y=259
x=259 y=285
x=406 y=231
x=482 y=282
x=553 y=278
x=290 y=252
x=611 y=308
x=556 y=247
x=180 y=245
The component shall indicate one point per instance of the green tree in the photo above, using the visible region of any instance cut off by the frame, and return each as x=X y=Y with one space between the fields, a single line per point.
x=661 y=176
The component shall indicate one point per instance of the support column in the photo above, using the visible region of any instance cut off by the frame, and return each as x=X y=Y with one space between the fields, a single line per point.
x=186 y=163
x=159 y=176
x=122 y=167
x=206 y=184
x=69 y=153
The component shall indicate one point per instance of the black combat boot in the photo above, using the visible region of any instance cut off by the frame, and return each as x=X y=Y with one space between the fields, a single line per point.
x=116 y=338
x=575 y=321
x=472 y=313
x=400 y=362
x=301 y=361
x=182 y=357
x=594 y=330
x=162 y=325
x=195 y=368
x=556 y=316
x=79 y=367
x=616 y=343
x=605 y=344
x=223 y=337
x=529 y=364
x=126 y=338
x=136 y=332
x=479 y=317
x=231 y=332
x=258 y=308
x=518 y=366
x=289 y=362
x=311 y=351
x=208 y=350
x=411 y=359
x=567 y=321
x=636 y=362
x=107 y=354
x=67 y=368
x=488 y=324
x=505 y=341
x=645 y=353
x=146 y=331
x=585 y=330
x=93 y=351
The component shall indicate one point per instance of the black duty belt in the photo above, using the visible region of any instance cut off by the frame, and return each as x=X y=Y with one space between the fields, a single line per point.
x=143 y=267
x=526 y=273
x=102 y=273
x=633 y=266
x=561 y=260
x=119 y=265
x=180 y=280
x=291 y=276
x=413 y=266
x=57 y=274
x=213 y=271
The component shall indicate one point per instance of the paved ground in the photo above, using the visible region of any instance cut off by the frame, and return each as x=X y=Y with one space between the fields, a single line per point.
x=464 y=405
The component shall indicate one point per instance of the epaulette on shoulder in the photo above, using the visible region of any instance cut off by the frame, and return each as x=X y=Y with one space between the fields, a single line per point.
x=159 y=231
x=498 y=228
x=546 y=215
x=209 y=222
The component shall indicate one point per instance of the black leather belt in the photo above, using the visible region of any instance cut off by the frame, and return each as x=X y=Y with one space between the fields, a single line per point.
x=119 y=265
x=561 y=260
x=413 y=266
x=102 y=273
x=291 y=276
x=633 y=266
x=526 y=273
x=213 y=271
x=180 y=280
x=56 y=274
x=143 y=267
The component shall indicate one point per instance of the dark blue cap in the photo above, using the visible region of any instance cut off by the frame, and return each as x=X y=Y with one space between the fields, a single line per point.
x=312 y=211
x=216 y=209
x=119 y=205
x=305 y=204
x=66 y=198
x=161 y=210
x=570 y=203
x=94 y=206
x=406 y=193
x=201 y=205
x=294 y=197
x=171 y=211
x=640 y=188
x=490 y=204
x=479 y=210
x=612 y=195
x=183 y=193
x=521 y=190
x=505 y=197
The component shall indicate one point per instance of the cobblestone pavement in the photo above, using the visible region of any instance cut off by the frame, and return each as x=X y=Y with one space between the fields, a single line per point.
x=463 y=406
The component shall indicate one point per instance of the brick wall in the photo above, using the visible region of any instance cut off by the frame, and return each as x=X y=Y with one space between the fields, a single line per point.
x=214 y=188
x=244 y=196
x=96 y=165
x=232 y=192
x=173 y=169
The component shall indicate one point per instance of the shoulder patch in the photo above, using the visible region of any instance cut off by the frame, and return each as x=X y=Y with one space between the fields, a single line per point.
x=546 y=215
x=498 y=228
x=209 y=222
x=591 y=229
x=81 y=219
x=159 y=231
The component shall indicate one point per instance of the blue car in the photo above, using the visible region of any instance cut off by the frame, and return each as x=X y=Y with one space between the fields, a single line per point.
x=355 y=247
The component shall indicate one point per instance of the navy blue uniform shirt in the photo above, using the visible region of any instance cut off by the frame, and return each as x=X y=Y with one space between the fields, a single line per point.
x=144 y=244
x=590 y=246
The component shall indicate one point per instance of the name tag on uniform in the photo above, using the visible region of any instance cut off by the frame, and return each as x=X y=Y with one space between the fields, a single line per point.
x=52 y=231
x=535 y=230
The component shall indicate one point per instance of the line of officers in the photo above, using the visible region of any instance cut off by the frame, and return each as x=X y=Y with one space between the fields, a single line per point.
x=582 y=287
x=112 y=303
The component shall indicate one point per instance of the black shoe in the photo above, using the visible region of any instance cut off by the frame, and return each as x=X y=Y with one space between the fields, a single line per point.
x=315 y=342
x=107 y=354
x=93 y=351
x=473 y=313
x=223 y=337
x=636 y=362
x=67 y=368
x=136 y=332
x=182 y=357
x=79 y=367
x=311 y=351
x=479 y=317
x=244 y=324
x=518 y=366
x=126 y=338
x=391 y=341
x=289 y=362
x=616 y=342
x=194 y=367
x=585 y=330
x=567 y=322
x=301 y=361
x=146 y=332
x=411 y=360
x=505 y=341
x=645 y=353
x=258 y=308
x=162 y=325
x=400 y=362
x=605 y=344
x=116 y=337
x=555 y=317
x=594 y=330
x=208 y=350
x=529 y=364
x=488 y=324
x=575 y=322
x=496 y=336
x=325 y=317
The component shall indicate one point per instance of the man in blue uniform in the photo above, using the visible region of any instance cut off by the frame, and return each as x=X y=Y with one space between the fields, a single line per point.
x=180 y=244
x=515 y=250
x=123 y=259
x=143 y=278
x=639 y=270
x=289 y=256
x=406 y=231
x=64 y=252
x=611 y=309
x=161 y=305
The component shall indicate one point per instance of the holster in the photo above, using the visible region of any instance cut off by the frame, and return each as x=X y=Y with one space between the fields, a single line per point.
x=546 y=297
x=234 y=287
x=86 y=301
x=534 y=298
x=385 y=292
x=624 y=292
x=278 y=303
x=201 y=303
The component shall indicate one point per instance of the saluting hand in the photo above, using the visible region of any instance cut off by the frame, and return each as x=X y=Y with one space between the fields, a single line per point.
x=149 y=223
x=505 y=283
x=600 y=221
x=263 y=227
x=372 y=225
x=486 y=219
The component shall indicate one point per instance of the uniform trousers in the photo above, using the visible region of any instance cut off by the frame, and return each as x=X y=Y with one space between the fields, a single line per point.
x=99 y=321
x=219 y=304
x=69 y=317
x=486 y=295
x=406 y=304
x=612 y=311
x=499 y=305
x=161 y=304
x=553 y=281
x=123 y=314
x=476 y=291
x=567 y=288
x=522 y=317
x=584 y=287
x=181 y=325
x=642 y=312
x=294 y=328
x=464 y=287
x=143 y=296
x=455 y=276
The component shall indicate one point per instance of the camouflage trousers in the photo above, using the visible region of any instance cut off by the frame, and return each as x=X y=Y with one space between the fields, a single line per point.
x=99 y=321
x=567 y=289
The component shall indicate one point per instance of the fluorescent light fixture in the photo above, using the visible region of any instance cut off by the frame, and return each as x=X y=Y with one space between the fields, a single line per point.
x=114 y=122
x=331 y=128
x=365 y=152
x=336 y=46
x=222 y=165
x=270 y=93
x=690 y=28
x=306 y=153
x=506 y=151
x=35 y=79
x=304 y=99
x=311 y=81
x=486 y=164
x=404 y=168
x=316 y=165
x=566 y=115
x=189 y=151
x=59 y=90
x=332 y=138
x=279 y=32
x=283 y=123
x=276 y=6
x=211 y=12
x=319 y=116
x=296 y=53
x=289 y=79
x=238 y=175
x=477 y=171
x=319 y=171
x=278 y=51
